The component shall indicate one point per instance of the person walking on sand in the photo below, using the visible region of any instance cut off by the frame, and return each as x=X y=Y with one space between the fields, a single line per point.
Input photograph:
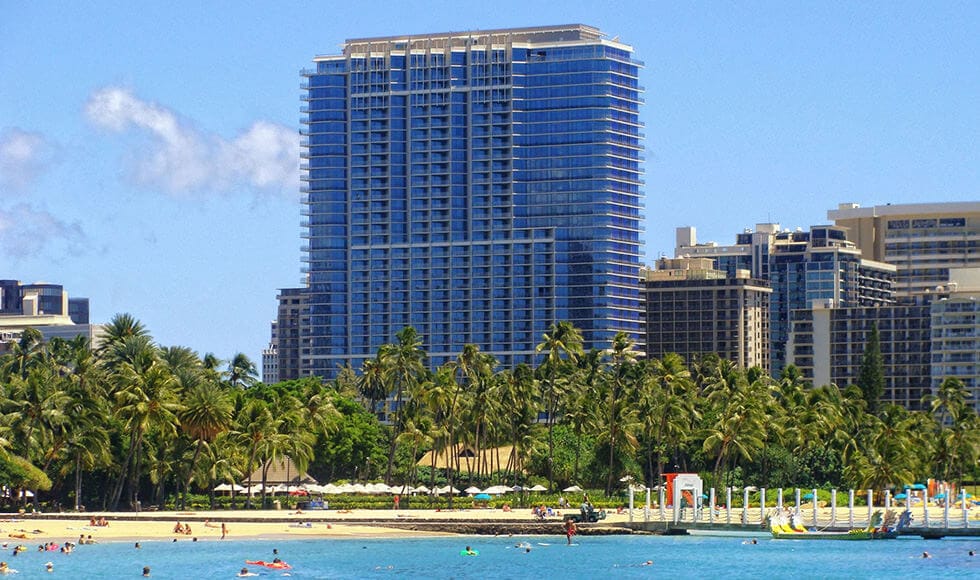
x=570 y=530
x=224 y=530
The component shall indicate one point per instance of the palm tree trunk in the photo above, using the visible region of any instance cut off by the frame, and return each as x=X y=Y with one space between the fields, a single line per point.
x=78 y=480
x=190 y=472
x=123 y=475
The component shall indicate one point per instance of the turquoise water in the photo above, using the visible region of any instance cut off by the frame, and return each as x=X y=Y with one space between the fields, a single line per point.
x=591 y=557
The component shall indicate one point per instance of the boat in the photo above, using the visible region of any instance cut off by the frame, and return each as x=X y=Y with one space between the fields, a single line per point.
x=887 y=526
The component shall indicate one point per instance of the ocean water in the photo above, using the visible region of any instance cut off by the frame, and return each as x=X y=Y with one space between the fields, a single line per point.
x=590 y=557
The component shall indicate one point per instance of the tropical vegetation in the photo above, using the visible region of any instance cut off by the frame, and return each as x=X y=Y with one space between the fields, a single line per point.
x=134 y=423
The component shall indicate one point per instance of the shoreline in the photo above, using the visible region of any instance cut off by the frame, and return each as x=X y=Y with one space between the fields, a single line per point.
x=31 y=529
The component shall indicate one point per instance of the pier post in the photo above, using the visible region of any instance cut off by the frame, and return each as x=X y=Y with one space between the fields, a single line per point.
x=871 y=504
x=888 y=499
x=762 y=504
x=631 y=503
x=946 y=499
x=779 y=499
x=660 y=496
x=711 y=506
x=833 y=507
x=728 y=505
x=646 y=508
x=797 y=513
x=814 y=506
x=850 y=508
x=966 y=515
x=745 y=506
x=925 y=506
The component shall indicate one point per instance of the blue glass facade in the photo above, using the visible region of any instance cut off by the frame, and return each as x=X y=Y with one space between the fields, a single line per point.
x=477 y=186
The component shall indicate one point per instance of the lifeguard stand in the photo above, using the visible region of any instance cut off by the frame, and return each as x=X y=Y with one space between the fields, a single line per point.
x=687 y=486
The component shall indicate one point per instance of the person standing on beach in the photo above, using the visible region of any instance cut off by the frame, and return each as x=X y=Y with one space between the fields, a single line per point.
x=224 y=530
x=397 y=499
x=570 y=530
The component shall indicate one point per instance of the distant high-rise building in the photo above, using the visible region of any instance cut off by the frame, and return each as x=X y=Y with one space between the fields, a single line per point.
x=956 y=332
x=478 y=186
x=828 y=345
x=693 y=309
x=270 y=364
x=803 y=268
x=290 y=335
x=46 y=308
x=922 y=240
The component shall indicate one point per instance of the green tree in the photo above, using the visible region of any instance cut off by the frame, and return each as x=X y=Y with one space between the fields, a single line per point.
x=871 y=377
x=562 y=345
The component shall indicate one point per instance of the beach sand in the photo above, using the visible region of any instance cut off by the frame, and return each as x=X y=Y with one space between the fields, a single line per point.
x=284 y=524
x=252 y=524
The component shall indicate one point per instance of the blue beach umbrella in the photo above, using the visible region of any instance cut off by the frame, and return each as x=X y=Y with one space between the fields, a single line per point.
x=919 y=486
x=939 y=495
x=808 y=496
x=482 y=497
x=900 y=496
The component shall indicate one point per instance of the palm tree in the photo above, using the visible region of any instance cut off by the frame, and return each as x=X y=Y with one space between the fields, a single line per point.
x=562 y=345
x=667 y=409
x=739 y=429
x=405 y=363
x=206 y=413
x=619 y=395
x=25 y=353
x=254 y=424
x=373 y=384
x=242 y=372
x=143 y=400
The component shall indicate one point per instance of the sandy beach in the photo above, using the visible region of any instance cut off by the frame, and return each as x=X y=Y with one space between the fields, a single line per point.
x=283 y=524
x=206 y=525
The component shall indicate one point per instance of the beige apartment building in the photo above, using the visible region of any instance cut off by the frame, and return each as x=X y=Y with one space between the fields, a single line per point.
x=922 y=240
x=693 y=309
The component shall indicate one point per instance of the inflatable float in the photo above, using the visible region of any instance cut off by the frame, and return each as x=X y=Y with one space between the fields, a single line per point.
x=273 y=565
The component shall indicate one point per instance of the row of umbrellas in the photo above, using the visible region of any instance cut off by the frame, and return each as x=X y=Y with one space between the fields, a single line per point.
x=375 y=489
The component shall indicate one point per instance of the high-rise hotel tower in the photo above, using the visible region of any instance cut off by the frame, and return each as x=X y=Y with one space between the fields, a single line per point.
x=478 y=186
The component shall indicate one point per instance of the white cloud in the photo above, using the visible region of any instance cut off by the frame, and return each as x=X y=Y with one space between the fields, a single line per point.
x=23 y=155
x=181 y=158
x=25 y=232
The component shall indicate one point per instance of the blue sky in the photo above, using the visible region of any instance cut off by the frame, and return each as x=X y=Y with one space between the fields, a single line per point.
x=148 y=149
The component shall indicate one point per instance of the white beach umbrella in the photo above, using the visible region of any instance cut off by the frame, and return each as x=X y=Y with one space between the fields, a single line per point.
x=377 y=488
x=497 y=490
x=473 y=490
x=359 y=488
x=402 y=489
x=420 y=489
x=539 y=487
x=447 y=489
x=573 y=489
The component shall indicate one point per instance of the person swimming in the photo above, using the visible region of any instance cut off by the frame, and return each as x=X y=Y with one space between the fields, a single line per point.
x=469 y=551
x=244 y=573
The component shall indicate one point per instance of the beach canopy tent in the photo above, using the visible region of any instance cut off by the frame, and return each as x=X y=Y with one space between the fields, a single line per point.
x=497 y=490
x=229 y=487
x=281 y=472
x=464 y=459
